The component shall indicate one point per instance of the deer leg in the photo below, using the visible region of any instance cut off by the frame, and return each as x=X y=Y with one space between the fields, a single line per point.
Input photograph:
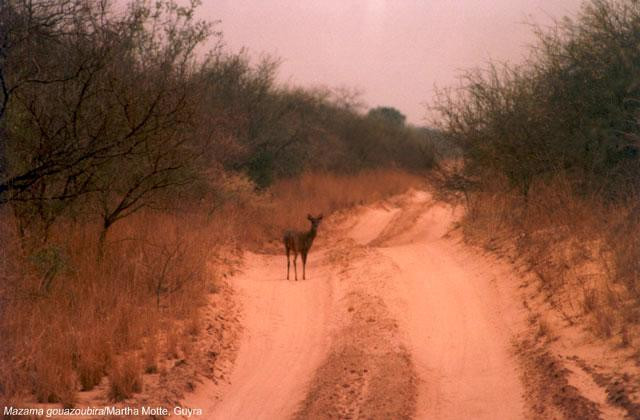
x=288 y=263
x=295 y=264
x=304 y=266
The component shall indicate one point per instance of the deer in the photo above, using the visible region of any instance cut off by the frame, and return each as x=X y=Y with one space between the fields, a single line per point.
x=300 y=242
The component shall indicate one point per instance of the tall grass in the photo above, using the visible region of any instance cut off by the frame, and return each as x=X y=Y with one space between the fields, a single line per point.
x=96 y=312
x=583 y=251
x=250 y=219
x=326 y=192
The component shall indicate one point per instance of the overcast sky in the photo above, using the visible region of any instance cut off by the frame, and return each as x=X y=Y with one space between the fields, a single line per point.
x=395 y=51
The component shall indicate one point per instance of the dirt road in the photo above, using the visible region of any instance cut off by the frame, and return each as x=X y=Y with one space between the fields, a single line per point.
x=395 y=320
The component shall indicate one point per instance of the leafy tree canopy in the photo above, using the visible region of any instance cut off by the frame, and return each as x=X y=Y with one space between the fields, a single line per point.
x=388 y=115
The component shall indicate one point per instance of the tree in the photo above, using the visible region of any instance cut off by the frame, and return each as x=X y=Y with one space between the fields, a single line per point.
x=113 y=122
x=387 y=115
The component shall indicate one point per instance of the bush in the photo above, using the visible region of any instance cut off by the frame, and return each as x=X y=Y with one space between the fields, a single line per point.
x=572 y=108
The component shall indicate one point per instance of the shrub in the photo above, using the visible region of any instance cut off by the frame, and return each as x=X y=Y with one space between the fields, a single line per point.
x=572 y=109
x=125 y=379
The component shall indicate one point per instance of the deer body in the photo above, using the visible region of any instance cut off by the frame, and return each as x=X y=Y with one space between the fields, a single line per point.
x=300 y=243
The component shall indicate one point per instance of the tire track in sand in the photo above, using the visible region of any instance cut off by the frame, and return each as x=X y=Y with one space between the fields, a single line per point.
x=369 y=372
x=395 y=324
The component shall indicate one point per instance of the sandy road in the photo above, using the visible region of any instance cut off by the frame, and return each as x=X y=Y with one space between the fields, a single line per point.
x=284 y=339
x=396 y=320
x=457 y=323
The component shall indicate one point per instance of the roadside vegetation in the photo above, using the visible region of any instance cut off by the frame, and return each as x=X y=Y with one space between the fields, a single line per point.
x=552 y=162
x=129 y=157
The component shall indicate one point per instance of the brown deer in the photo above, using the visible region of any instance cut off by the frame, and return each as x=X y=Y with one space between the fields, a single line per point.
x=300 y=242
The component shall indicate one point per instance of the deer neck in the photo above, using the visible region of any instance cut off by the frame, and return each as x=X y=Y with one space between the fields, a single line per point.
x=312 y=233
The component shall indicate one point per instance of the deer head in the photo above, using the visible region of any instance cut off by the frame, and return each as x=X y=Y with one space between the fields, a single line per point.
x=315 y=221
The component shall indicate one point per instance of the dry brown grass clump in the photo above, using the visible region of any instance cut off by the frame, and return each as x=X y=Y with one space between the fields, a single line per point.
x=584 y=252
x=125 y=378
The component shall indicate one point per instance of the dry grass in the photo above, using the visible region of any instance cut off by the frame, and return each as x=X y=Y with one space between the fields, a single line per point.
x=125 y=378
x=65 y=337
x=69 y=317
x=150 y=357
x=544 y=330
x=251 y=219
x=584 y=253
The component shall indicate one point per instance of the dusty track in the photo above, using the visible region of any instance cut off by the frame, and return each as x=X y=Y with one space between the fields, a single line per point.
x=395 y=320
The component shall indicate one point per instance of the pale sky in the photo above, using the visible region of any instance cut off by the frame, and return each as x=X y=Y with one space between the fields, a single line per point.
x=395 y=51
